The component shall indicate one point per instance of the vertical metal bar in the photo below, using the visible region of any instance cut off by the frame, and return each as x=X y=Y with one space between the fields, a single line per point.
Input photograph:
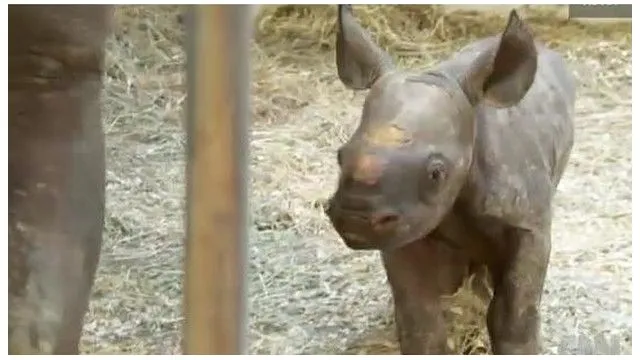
x=218 y=101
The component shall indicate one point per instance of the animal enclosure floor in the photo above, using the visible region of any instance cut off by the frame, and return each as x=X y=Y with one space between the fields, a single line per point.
x=308 y=293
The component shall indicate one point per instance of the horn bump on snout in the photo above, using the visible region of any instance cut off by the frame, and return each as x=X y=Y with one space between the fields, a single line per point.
x=391 y=136
x=368 y=169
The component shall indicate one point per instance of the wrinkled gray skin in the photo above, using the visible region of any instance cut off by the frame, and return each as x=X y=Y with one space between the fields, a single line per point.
x=56 y=172
x=452 y=172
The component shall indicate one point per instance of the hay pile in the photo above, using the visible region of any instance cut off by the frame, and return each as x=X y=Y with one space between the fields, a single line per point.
x=307 y=292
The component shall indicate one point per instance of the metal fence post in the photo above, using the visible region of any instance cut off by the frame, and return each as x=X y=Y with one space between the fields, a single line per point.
x=218 y=66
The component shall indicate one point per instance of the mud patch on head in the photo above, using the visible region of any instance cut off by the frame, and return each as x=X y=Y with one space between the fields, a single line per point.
x=368 y=169
x=392 y=136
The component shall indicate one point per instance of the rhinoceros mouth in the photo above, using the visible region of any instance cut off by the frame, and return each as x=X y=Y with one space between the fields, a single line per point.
x=409 y=232
x=405 y=235
x=402 y=239
x=357 y=231
x=357 y=242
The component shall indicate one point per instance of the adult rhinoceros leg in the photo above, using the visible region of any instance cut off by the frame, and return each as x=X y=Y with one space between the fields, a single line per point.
x=56 y=172
x=513 y=319
x=419 y=274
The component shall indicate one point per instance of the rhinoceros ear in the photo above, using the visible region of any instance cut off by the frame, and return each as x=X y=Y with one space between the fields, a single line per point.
x=360 y=61
x=503 y=74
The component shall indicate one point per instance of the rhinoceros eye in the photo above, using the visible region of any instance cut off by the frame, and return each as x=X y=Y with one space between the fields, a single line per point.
x=436 y=169
x=435 y=173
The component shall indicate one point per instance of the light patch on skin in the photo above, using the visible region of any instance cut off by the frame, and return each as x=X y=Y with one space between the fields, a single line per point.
x=36 y=313
x=368 y=169
x=33 y=322
x=391 y=136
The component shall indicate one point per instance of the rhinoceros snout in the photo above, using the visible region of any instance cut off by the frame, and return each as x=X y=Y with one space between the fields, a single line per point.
x=363 y=227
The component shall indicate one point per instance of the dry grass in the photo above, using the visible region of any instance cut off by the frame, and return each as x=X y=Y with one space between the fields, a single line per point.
x=307 y=292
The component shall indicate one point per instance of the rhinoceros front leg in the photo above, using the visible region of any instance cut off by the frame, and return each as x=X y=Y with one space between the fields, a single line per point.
x=514 y=313
x=56 y=172
x=419 y=274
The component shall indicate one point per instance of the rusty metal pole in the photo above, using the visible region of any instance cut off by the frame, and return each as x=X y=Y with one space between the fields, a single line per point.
x=218 y=102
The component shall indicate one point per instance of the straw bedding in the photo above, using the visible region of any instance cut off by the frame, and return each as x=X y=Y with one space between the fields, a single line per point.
x=307 y=292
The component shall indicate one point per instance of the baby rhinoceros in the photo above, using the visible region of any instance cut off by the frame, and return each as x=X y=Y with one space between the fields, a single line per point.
x=452 y=170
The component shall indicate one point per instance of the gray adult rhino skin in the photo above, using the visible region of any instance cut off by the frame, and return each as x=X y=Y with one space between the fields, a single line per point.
x=452 y=172
x=56 y=172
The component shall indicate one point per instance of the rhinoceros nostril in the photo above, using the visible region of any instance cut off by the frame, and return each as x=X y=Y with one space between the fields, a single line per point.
x=385 y=221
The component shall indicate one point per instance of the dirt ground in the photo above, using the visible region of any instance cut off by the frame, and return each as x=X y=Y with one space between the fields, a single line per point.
x=308 y=293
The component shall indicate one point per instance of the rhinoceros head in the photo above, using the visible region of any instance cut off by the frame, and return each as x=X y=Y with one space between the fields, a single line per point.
x=404 y=166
